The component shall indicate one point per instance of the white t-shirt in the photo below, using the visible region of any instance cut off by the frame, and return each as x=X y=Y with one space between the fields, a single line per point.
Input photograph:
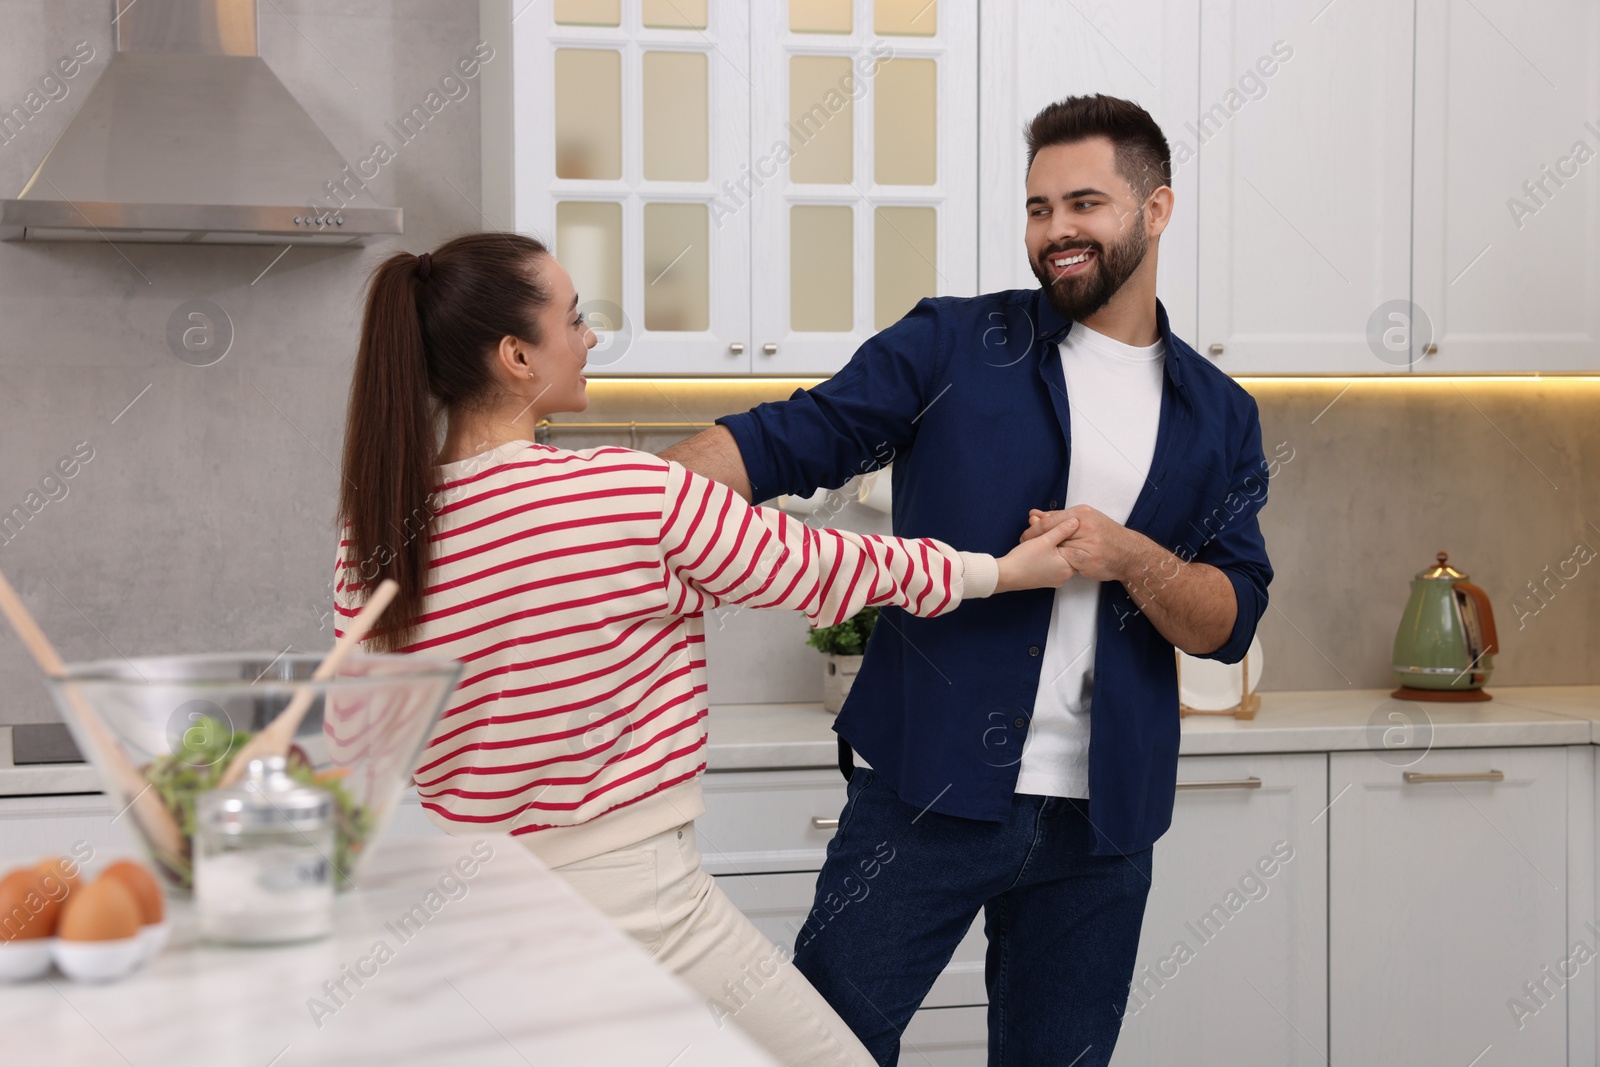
x=1114 y=393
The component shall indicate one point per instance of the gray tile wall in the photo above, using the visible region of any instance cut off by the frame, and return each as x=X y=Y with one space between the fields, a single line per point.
x=204 y=519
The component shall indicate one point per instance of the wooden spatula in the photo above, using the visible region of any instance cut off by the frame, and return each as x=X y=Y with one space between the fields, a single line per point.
x=159 y=824
x=277 y=737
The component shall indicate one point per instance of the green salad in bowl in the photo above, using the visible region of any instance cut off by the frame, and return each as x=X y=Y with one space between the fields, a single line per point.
x=162 y=730
x=202 y=756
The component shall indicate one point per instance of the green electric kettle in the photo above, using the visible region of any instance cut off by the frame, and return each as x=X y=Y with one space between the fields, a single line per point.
x=1445 y=647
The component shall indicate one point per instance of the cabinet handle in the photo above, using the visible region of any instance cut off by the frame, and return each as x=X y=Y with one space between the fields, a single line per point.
x=1430 y=349
x=769 y=349
x=736 y=349
x=1482 y=776
x=1216 y=350
x=1223 y=783
x=820 y=823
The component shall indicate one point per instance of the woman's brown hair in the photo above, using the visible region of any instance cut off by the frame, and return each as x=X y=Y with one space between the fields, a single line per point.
x=430 y=326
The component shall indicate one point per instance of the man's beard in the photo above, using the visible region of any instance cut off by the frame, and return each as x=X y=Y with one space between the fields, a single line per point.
x=1078 y=296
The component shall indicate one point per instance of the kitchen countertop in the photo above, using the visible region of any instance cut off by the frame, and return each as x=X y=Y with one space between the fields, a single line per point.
x=746 y=737
x=770 y=736
x=512 y=968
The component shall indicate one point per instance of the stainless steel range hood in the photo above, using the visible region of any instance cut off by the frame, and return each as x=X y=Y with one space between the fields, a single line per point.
x=188 y=137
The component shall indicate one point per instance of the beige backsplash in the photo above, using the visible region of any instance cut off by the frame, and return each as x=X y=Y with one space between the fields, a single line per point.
x=1380 y=476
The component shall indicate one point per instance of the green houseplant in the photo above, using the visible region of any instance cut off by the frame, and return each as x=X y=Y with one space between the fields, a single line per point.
x=842 y=647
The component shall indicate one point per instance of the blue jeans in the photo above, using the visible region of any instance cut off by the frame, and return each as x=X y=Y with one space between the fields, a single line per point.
x=901 y=886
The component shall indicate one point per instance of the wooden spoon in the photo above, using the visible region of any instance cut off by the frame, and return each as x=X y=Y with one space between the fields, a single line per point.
x=160 y=825
x=277 y=737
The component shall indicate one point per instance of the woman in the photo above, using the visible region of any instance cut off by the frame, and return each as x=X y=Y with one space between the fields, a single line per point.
x=571 y=584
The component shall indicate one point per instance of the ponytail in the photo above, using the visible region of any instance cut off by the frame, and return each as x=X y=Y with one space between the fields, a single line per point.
x=430 y=325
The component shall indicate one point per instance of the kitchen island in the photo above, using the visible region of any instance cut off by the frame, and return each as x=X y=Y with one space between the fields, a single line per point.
x=453 y=951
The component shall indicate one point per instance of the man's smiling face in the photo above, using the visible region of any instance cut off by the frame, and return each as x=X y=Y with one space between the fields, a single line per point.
x=1086 y=231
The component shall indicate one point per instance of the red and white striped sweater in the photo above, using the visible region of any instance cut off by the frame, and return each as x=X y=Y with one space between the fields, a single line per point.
x=571 y=585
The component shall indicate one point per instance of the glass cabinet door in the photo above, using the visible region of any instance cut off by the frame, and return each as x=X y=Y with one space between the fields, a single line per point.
x=627 y=118
x=864 y=165
x=738 y=187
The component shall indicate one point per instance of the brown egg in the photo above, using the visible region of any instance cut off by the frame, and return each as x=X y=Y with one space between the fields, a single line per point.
x=103 y=910
x=63 y=870
x=138 y=880
x=27 y=908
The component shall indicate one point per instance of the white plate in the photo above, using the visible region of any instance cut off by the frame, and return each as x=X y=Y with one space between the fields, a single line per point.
x=1207 y=685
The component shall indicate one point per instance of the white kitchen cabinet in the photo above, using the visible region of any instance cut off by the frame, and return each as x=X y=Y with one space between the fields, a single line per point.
x=759 y=822
x=1305 y=184
x=1446 y=896
x=1232 y=964
x=765 y=834
x=947 y=1037
x=877 y=207
x=570 y=111
x=777 y=904
x=737 y=187
x=1364 y=187
x=32 y=828
x=1507 y=140
x=1034 y=54
x=409 y=820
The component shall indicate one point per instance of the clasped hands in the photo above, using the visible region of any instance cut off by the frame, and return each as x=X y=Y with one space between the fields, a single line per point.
x=1059 y=544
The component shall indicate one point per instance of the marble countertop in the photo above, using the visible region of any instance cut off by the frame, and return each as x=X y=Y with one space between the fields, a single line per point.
x=511 y=968
x=747 y=737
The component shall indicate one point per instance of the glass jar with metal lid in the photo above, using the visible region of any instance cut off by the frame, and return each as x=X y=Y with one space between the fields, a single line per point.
x=263 y=858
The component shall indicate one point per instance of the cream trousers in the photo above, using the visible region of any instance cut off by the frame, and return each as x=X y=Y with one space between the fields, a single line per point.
x=657 y=892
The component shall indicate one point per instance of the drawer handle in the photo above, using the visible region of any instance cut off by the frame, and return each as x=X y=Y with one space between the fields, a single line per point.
x=820 y=823
x=1484 y=776
x=1224 y=783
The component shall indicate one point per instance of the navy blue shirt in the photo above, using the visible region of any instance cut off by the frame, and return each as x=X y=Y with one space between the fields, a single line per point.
x=965 y=396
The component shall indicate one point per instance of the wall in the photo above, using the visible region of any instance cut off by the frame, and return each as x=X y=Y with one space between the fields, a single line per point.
x=204 y=519
x=1381 y=475
x=1500 y=475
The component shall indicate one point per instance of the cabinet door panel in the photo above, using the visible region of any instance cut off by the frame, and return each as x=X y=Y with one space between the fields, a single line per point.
x=1445 y=897
x=1034 y=54
x=640 y=216
x=32 y=828
x=1232 y=962
x=1304 y=142
x=947 y=1037
x=777 y=904
x=765 y=821
x=845 y=242
x=1508 y=187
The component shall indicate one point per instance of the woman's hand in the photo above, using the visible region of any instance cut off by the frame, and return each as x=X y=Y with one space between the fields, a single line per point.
x=1038 y=563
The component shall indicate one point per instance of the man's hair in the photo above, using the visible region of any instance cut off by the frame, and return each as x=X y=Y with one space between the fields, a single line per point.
x=1143 y=158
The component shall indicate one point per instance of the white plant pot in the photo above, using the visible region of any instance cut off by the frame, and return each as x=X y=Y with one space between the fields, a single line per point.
x=837 y=674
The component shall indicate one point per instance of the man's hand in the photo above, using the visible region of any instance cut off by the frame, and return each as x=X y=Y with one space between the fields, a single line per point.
x=1191 y=604
x=1098 y=548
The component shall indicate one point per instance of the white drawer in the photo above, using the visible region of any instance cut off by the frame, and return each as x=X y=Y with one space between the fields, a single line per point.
x=947 y=1037
x=32 y=828
x=409 y=820
x=765 y=821
x=777 y=905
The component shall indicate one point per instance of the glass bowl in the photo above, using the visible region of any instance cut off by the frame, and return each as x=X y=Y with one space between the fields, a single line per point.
x=179 y=720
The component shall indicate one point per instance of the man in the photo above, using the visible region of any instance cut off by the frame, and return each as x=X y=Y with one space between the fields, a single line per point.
x=980 y=788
